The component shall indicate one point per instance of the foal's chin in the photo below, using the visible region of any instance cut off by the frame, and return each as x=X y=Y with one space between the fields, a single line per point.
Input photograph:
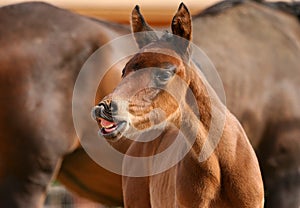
x=145 y=132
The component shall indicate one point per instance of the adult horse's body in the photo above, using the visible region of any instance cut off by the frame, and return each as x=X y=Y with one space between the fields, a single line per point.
x=42 y=51
x=227 y=35
x=155 y=95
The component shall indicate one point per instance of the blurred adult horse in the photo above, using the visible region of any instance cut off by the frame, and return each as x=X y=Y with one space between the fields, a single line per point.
x=256 y=48
x=42 y=51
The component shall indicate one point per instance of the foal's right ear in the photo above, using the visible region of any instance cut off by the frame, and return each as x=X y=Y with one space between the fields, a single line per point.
x=138 y=25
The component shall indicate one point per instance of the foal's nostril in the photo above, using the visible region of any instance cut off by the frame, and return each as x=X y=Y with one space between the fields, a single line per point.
x=113 y=107
x=96 y=112
x=102 y=110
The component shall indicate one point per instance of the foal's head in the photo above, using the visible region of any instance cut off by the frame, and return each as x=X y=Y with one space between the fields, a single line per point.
x=154 y=82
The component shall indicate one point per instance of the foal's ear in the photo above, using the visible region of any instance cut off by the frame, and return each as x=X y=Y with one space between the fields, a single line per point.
x=138 y=24
x=182 y=24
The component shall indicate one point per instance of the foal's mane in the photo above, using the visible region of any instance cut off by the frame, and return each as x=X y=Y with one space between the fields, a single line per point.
x=292 y=8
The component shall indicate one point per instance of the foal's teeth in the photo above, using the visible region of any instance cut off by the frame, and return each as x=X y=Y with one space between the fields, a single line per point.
x=109 y=126
x=106 y=124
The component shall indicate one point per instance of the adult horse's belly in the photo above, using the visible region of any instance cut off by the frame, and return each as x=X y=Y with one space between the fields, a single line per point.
x=85 y=177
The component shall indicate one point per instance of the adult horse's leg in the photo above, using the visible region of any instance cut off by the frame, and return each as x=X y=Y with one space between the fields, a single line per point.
x=27 y=163
x=26 y=169
x=32 y=143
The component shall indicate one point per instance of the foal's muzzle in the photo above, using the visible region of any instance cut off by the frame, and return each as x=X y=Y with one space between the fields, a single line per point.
x=105 y=110
x=103 y=113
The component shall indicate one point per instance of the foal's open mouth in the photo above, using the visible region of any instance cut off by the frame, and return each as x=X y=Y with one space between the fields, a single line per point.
x=111 y=130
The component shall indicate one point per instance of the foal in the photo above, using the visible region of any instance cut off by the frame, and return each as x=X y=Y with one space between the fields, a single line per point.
x=157 y=96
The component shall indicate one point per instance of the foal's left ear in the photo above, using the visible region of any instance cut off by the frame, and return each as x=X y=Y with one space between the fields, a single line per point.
x=182 y=23
x=143 y=33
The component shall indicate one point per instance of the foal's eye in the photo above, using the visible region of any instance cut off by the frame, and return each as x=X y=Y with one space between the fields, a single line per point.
x=162 y=77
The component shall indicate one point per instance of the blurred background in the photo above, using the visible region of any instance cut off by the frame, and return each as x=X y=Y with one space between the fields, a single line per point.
x=156 y=11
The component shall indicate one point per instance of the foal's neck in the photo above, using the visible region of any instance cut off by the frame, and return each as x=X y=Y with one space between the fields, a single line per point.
x=209 y=107
x=200 y=89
